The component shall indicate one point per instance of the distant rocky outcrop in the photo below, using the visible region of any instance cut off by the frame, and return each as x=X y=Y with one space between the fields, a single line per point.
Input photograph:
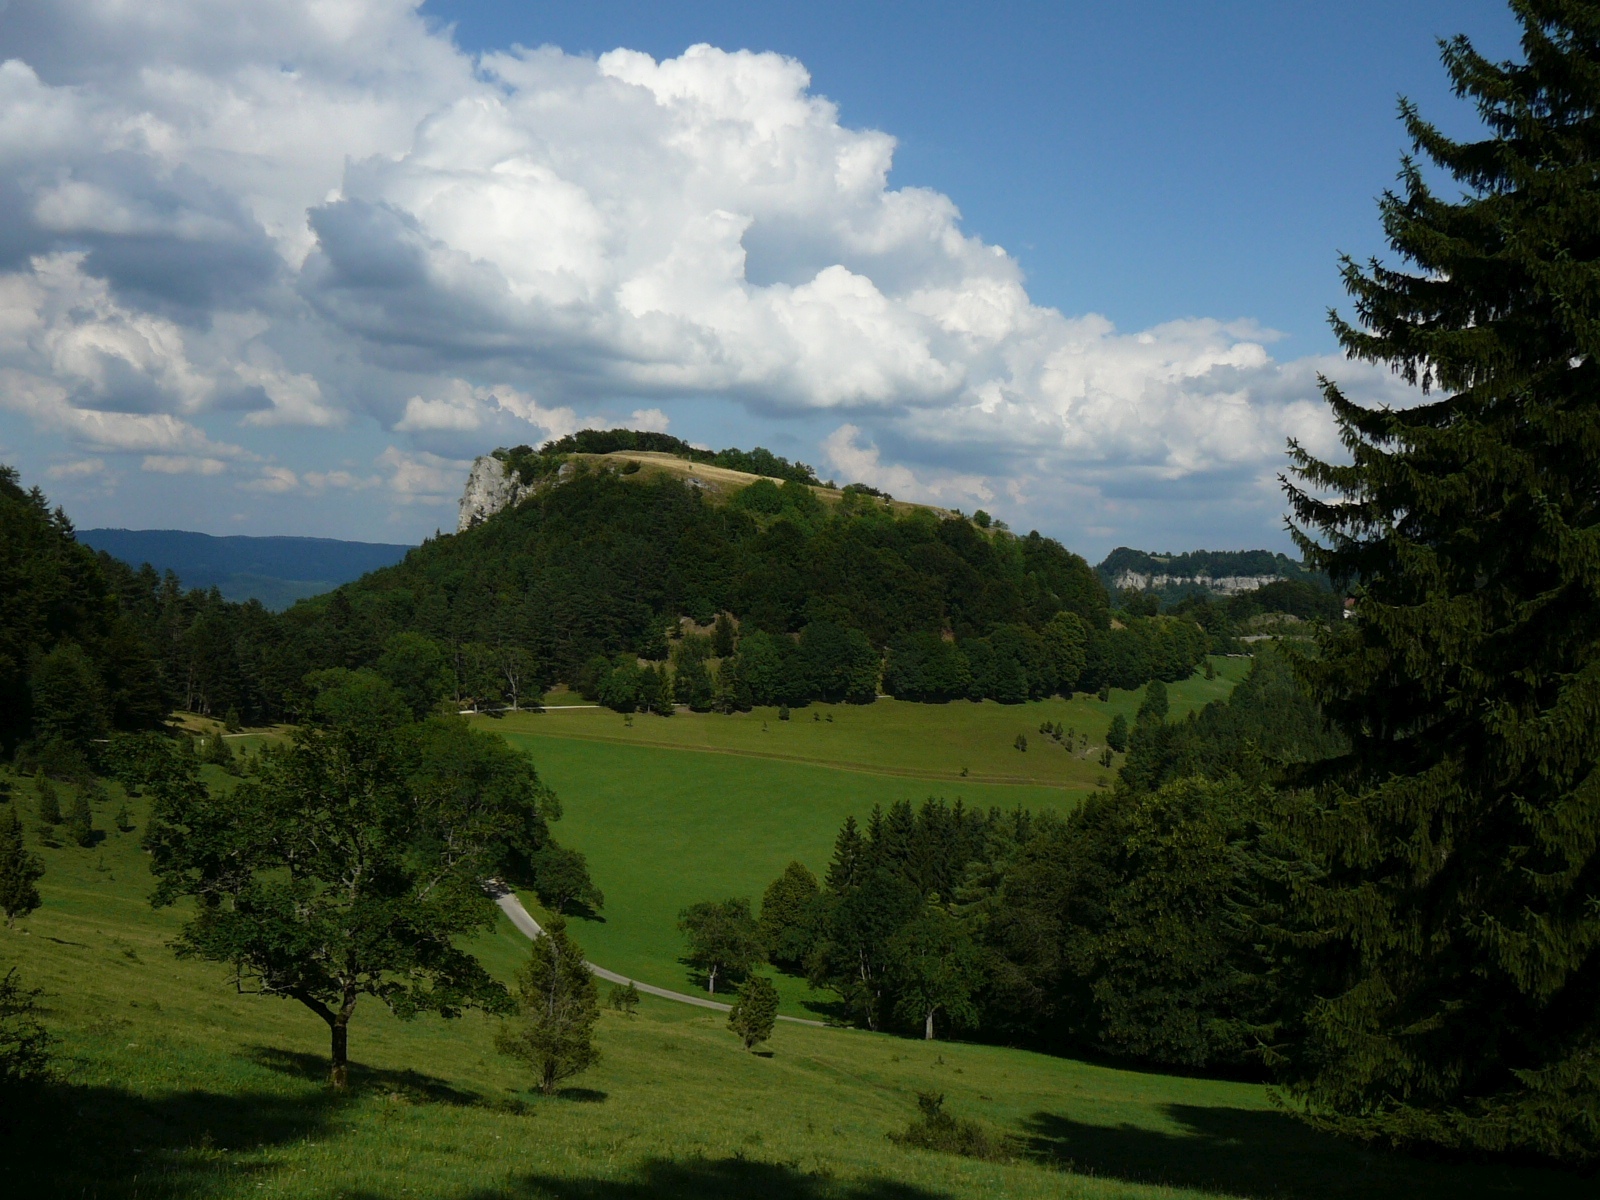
x=1220 y=585
x=1219 y=572
x=490 y=488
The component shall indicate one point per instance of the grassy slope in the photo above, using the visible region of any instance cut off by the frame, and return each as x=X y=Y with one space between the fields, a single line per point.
x=923 y=741
x=178 y=1088
x=664 y=828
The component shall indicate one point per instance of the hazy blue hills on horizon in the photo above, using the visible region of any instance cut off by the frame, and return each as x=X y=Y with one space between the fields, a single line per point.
x=277 y=571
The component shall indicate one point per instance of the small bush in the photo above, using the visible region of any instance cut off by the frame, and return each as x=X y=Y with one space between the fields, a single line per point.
x=1021 y=743
x=783 y=712
x=935 y=1129
x=624 y=1000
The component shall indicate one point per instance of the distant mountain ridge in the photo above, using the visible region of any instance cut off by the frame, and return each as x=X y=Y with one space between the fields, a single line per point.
x=277 y=571
x=1219 y=572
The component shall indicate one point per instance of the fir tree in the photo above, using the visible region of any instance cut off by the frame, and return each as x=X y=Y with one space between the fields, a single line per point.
x=79 y=826
x=1457 y=927
x=788 y=916
x=557 y=1007
x=19 y=870
x=755 y=1012
x=49 y=802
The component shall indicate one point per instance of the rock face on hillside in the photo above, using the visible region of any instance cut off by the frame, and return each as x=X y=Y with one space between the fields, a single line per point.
x=1222 y=585
x=489 y=489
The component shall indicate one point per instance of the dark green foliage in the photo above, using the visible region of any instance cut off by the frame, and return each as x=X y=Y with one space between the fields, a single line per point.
x=20 y=870
x=426 y=812
x=230 y=720
x=1268 y=723
x=934 y=970
x=878 y=883
x=935 y=1129
x=1153 y=708
x=1117 y=734
x=78 y=827
x=722 y=636
x=68 y=701
x=53 y=600
x=1153 y=900
x=788 y=918
x=24 y=1041
x=561 y=878
x=723 y=939
x=418 y=669
x=49 y=801
x=755 y=1012
x=1458 y=924
x=624 y=1000
x=557 y=1006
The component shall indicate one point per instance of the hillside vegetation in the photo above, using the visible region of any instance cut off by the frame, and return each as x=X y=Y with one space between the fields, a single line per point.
x=174 y=1087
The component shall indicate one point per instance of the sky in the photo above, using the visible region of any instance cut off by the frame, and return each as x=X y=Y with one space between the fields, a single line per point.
x=288 y=267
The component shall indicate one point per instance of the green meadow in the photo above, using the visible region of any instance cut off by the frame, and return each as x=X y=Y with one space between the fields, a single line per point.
x=946 y=743
x=664 y=828
x=175 y=1087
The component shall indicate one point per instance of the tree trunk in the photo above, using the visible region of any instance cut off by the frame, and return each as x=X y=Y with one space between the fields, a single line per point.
x=711 y=981
x=339 y=1058
x=927 y=1028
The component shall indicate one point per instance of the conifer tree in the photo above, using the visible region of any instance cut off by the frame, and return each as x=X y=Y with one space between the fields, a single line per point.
x=19 y=870
x=79 y=825
x=49 y=802
x=755 y=1012
x=1457 y=926
x=557 y=1007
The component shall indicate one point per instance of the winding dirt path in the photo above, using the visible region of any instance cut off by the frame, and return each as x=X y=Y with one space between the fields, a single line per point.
x=511 y=905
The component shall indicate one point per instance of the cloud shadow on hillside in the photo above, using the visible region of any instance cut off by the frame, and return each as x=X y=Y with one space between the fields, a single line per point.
x=1264 y=1154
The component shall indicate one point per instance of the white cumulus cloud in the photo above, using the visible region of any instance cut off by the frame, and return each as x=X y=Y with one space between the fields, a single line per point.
x=282 y=215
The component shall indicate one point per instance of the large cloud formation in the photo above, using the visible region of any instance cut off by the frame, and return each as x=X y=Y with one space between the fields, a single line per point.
x=300 y=214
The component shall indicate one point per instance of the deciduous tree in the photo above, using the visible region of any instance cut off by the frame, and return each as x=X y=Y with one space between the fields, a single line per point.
x=352 y=865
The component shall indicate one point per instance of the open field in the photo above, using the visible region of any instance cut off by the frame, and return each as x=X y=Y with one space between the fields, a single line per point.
x=664 y=828
x=175 y=1088
x=924 y=741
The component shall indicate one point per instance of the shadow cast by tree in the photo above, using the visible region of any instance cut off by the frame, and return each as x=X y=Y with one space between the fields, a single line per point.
x=1264 y=1154
x=67 y=1140
x=414 y=1085
x=704 y=1179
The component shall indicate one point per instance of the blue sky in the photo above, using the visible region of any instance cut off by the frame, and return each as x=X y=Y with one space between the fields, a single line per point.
x=286 y=268
x=1144 y=160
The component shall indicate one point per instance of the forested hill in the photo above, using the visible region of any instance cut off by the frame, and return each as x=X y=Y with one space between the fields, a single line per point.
x=635 y=581
x=610 y=564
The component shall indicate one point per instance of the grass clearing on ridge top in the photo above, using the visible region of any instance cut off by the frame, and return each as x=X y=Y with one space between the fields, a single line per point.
x=177 y=1088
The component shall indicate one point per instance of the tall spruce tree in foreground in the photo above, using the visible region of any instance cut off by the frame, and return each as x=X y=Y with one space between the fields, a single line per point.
x=1458 y=921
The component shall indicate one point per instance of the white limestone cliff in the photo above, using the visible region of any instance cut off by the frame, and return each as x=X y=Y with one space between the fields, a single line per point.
x=489 y=489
